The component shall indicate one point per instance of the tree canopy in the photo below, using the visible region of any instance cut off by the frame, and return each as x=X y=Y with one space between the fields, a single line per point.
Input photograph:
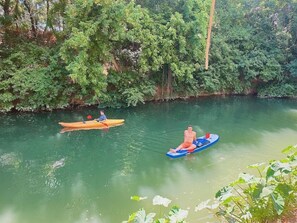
x=116 y=53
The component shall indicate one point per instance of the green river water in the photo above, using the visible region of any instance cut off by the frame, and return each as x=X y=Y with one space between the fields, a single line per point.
x=103 y=169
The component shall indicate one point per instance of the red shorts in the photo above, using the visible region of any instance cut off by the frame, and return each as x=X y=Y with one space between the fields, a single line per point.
x=186 y=145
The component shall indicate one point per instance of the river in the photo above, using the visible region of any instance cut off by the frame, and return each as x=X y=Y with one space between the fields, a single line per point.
x=89 y=176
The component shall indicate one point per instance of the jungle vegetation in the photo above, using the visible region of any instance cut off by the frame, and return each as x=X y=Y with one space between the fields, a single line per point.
x=57 y=53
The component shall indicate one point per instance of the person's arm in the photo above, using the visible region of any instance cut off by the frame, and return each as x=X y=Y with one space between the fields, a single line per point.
x=99 y=119
x=102 y=118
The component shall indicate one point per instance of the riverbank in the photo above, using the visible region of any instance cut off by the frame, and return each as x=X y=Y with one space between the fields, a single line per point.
x=156 y=99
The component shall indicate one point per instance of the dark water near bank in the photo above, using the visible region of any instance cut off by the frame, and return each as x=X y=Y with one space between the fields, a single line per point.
x=102 y=169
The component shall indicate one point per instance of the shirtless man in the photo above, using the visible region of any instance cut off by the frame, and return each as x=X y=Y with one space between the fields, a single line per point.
x=189 y=137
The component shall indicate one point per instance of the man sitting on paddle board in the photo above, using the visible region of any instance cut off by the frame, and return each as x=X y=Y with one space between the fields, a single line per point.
x=189 y=137
x=102 y=117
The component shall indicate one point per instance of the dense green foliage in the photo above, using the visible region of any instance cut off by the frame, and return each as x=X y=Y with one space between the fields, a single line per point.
x=121 y=53
x=127 y=89
x=253 y=49
x=32 y=77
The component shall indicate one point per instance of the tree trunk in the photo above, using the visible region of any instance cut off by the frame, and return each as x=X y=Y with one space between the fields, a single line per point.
x=33 y=27
x=162 y=87
x=5 y=6
x=6 y=12
x=209 y=33
x=169 y=83
x=47 y=16
x=16 y=14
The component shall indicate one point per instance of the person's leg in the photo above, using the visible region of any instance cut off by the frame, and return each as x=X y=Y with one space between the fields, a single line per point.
x=180 y=147
x=177 y=148
x=191 y=148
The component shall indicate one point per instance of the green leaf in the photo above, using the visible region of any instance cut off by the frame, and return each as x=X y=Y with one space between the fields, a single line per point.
x=161 y=220
x=249 y=179
x=131 y=218
x=282 y=167
x=246 y=178
x=269 y=173
x=278 y=202
x=266 y=191
x=256 y=192
x=288 y=149
x=224 y=193
x=137 y=198
x=284 y=189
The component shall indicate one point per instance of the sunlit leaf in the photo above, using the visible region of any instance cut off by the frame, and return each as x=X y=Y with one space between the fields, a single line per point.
x=178 y=216
x=288 y=149
x=205 y=204
x=202 y=205
x=141 y=217
x=137 y=198
x=158 y=200
x=131 y=218
x=256 y=165
x=282 y=167
x=248 y=178
x=161 y=220
x=228 y=199
x=266 y=191
x=236 y=182
x=215 y=205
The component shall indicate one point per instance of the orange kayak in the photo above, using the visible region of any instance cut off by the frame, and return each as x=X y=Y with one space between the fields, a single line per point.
x=92 y=123
x=65 y=129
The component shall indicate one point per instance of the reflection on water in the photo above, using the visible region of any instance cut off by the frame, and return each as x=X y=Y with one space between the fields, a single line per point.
x=91 y=128
x=51 y=181
x=58 y=164
x=89 y=176
x=8 y=216
x=87 y=217
x=10 y=159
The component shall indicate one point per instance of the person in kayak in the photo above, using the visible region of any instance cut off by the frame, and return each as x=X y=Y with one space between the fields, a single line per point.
x=189 y=137
x=102 y=117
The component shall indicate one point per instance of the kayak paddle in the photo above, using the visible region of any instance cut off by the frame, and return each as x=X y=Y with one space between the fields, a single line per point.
x=90 y=117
